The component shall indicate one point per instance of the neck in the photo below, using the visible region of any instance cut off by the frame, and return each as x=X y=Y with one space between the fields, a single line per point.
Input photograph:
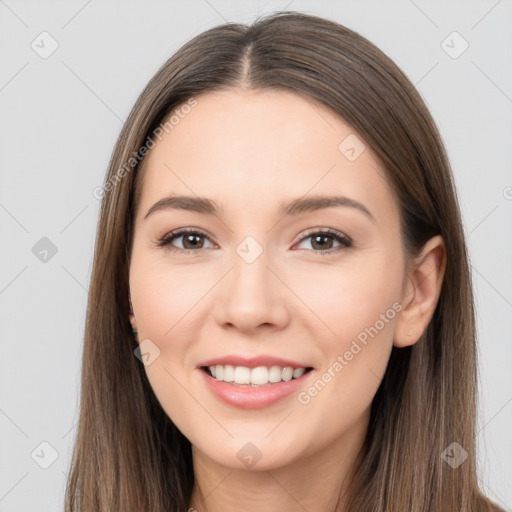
x=315 y=483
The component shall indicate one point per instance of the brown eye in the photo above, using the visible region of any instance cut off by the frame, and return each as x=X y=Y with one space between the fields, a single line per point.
x=191 y=240
x=323 y=241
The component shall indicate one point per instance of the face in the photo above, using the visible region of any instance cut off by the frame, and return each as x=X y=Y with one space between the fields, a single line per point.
x=258 y=288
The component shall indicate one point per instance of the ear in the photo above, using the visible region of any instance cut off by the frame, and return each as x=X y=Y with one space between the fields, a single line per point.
x=132 y=316
x=421 y=292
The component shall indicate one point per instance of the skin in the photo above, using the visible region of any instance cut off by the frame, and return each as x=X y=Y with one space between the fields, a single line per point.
x=249 y=151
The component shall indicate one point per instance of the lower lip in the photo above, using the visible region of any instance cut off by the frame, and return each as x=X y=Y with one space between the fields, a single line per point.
x=248 y=397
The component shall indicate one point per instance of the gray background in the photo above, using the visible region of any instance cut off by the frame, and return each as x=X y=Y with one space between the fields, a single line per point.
x=60 y=117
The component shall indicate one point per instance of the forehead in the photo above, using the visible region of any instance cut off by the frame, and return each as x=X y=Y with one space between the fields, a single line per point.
x=248 y=147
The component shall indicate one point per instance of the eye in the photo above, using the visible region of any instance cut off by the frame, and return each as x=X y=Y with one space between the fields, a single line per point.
x=191 y=240
x=323 y=239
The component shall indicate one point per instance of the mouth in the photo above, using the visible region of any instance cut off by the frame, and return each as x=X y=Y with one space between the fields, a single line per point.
x=259 y=376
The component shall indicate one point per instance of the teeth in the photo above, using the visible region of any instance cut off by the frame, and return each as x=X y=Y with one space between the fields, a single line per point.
x=242 y=375
x=298 y=372
x=287 y=374
x=258 y=376
x=275 y=373
x=229 y=373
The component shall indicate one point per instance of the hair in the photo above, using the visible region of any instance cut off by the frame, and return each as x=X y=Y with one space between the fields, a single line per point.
x=128 y=455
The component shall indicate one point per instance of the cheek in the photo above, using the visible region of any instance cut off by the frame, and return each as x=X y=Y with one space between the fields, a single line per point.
x=164 y=297
x=163 y=301
x=348 y=298
x=358 y=306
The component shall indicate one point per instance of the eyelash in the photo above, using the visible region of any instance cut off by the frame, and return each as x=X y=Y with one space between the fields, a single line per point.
x=166 y=240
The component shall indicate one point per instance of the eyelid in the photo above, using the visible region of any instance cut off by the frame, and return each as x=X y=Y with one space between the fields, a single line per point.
x=322 y=230
x=345 y=241
x=164 y=241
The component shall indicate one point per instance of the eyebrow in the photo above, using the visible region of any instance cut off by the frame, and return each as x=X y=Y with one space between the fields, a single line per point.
x=295 y=207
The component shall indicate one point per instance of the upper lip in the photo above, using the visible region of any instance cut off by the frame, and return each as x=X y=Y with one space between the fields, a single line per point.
x=252 y=362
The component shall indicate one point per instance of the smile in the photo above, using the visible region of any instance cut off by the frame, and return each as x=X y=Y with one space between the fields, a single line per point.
x=254 y=377
x=254 y=388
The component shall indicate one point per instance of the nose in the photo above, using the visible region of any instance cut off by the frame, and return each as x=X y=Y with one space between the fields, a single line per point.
x=251 y=294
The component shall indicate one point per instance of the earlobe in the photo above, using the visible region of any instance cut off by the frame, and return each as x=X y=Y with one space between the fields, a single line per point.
x=135 y=332
x=132 y=317
x=420 y=296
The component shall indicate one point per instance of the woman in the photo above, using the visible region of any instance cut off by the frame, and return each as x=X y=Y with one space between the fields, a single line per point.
x=280 y=313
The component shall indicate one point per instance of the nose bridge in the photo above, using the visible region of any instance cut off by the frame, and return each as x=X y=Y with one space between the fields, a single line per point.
x=252 y=294
x=250 y=277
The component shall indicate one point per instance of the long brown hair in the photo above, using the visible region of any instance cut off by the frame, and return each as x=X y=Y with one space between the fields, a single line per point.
x=128 y=454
